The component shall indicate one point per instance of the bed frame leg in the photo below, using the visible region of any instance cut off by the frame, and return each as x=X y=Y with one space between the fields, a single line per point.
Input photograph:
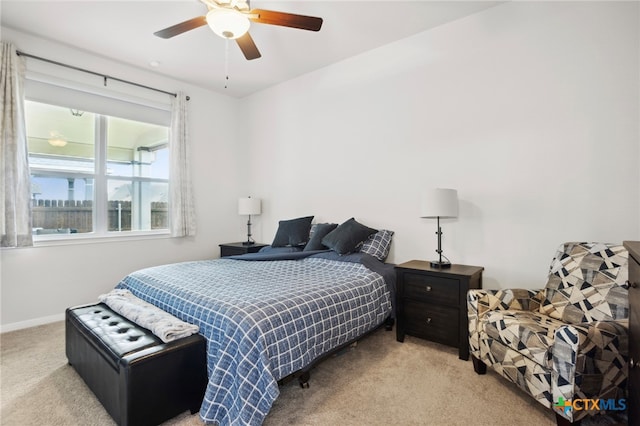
x=388 y=324
x=304 y=380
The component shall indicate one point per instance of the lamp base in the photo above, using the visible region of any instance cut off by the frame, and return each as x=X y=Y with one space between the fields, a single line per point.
x=440 y=264
x=248 y=243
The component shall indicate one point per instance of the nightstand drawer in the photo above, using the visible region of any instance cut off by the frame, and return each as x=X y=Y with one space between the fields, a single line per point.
x=431 y=289
x=434 y=322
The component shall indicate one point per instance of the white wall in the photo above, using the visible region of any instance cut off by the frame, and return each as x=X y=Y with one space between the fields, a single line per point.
x=530 y=110
x=39 y=283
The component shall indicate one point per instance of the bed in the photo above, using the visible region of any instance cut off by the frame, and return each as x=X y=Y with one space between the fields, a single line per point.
x=269 y=315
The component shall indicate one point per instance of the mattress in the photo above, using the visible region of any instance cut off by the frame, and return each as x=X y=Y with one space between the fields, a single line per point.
x=264 y=320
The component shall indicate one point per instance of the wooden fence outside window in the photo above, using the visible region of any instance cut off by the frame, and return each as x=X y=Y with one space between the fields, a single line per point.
x=78 y=215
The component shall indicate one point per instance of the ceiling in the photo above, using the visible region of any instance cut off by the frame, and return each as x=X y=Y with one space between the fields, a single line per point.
x=123 y=30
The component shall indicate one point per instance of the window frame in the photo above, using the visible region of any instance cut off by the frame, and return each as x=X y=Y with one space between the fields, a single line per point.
x=100 y=232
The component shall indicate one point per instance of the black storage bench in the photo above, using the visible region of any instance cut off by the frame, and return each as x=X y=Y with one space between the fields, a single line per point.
x=138 y=379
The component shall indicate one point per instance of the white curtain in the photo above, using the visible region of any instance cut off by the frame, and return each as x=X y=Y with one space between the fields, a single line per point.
x=15 y=188
x=183 y=218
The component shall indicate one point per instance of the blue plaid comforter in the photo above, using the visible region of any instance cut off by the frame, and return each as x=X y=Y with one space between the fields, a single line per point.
x=263 y=320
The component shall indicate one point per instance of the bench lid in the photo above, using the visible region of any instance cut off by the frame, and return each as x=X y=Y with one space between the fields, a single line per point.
x=113 y=331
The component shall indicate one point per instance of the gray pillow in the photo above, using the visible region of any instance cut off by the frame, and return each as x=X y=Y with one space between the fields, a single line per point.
x=348 y=236
x=319 y=230
x=293 y=232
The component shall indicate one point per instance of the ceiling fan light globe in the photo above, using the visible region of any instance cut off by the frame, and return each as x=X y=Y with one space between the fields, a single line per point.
x=57 y=142
x=228 y=23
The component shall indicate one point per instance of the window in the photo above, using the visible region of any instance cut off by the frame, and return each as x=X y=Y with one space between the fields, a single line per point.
x=93 y=173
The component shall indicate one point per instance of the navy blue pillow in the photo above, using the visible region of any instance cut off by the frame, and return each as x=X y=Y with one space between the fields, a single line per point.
x=294 y=232
x=278 y=250
x=319 y=232
x=347 y=236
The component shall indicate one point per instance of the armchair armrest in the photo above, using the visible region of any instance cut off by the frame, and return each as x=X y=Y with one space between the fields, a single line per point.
x=590 y=361
x=481 y=301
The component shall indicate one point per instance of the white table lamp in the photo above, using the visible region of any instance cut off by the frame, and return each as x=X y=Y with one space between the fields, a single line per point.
x=249 y=206
x=440 y=203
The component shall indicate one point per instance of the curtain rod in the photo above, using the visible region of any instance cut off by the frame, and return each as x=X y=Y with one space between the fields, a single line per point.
x=104 y=76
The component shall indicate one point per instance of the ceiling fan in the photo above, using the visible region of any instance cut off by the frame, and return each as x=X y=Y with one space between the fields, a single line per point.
x=230 y=19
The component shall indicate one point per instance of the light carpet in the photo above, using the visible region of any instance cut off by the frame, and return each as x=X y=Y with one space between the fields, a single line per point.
x=379 y=381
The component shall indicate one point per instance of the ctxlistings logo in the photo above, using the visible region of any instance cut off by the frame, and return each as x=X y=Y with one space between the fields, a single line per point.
x=584 y=404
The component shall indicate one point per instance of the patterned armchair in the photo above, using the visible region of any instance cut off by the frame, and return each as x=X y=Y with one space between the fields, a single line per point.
x=566 y=343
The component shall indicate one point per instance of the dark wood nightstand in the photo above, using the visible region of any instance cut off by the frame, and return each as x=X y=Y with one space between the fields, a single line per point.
x=233 y=249
x=432 y=302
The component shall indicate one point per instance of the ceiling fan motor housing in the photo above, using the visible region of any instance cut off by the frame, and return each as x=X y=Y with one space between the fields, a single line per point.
x=228 y=23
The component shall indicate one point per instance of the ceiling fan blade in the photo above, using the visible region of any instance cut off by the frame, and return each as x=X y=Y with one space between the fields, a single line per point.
x=282 y=19
x=248 y=47
x=182 y=27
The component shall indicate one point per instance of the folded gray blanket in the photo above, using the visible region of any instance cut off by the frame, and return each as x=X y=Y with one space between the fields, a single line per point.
x=161 y=323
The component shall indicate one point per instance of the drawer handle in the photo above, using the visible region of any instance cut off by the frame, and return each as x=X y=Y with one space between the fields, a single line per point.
x=428 y=288
x=632 y=362
x=428 y=320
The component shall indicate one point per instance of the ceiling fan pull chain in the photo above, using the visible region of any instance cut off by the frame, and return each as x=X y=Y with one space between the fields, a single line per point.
x=226 y=63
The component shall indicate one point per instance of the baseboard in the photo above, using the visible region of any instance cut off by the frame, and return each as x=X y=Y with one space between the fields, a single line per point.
x=31 y=323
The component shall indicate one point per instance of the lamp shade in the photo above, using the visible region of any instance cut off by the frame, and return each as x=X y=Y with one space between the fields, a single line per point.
x=439 y=202
x=249 y=206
